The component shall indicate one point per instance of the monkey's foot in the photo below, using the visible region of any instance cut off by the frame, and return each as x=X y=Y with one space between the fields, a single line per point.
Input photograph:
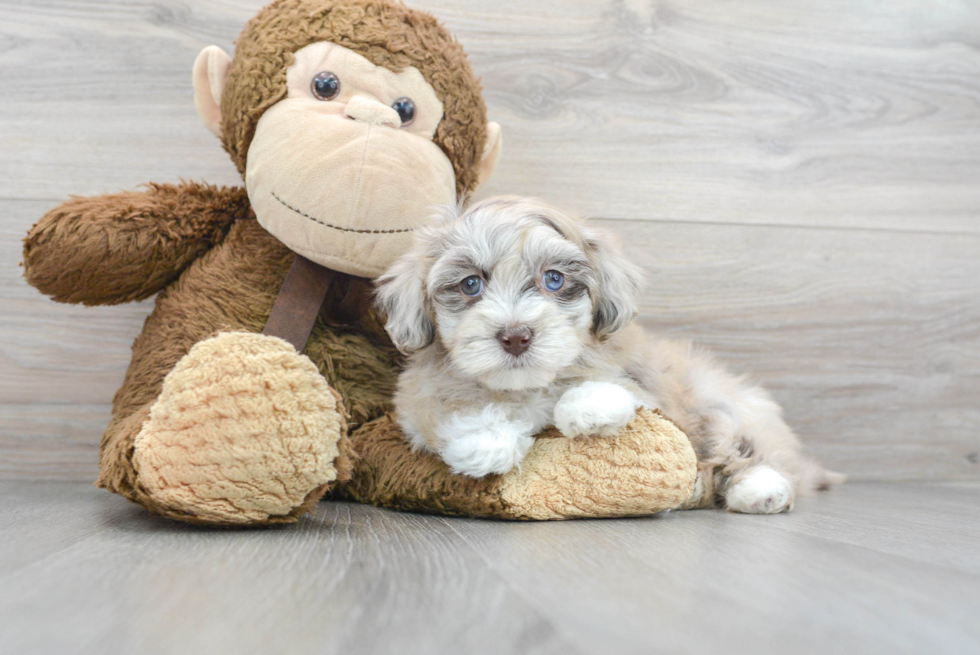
x=245 y=431
x=647 y=468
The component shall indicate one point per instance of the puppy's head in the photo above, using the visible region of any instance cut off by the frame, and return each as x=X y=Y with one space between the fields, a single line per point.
x=513 y=289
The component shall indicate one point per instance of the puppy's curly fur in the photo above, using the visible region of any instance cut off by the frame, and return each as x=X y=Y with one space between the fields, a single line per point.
x=517 y=316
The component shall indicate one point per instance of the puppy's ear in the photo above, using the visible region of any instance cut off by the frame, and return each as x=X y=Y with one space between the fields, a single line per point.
x=400 y=295
x=618 y=284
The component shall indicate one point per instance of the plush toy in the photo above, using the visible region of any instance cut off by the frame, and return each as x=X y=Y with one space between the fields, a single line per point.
x=348 y=120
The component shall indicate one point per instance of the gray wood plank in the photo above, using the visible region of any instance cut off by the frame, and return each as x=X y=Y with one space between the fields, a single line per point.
x=870 y=340
x=897 y=520
x=40 y=441
x=38 y=519
x=702 y=581
x=125 y=114
x=835 y=113
x=356 y=580
x=82 y=571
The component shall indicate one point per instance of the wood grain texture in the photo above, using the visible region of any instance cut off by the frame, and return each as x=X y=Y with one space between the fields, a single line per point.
x=870 y=340
x=858 y=571
x=838 y=112
x=710 y=581
x=799 y=178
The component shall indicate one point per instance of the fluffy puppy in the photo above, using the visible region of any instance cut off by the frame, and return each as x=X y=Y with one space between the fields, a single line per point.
x=517 y=316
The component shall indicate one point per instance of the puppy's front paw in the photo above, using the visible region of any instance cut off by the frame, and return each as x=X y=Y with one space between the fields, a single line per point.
x=477 y=445
x=763 y=490
x=594 y=408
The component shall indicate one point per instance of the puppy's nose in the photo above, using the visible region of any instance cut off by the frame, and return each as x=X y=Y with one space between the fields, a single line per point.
x=515 y=340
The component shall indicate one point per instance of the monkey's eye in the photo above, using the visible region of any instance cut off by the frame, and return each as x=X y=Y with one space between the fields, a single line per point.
x=472 y=286
x=553 y=280
x=326 y=85
x=406 y=110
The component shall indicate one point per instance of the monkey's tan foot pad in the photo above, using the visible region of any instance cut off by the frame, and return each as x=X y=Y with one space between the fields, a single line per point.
x=245 y=431
x=647 y=468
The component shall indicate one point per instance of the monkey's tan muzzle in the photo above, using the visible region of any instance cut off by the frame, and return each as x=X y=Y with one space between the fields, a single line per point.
x=347 y=194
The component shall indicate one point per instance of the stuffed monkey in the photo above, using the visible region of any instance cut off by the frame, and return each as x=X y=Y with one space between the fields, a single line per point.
x=348 y=120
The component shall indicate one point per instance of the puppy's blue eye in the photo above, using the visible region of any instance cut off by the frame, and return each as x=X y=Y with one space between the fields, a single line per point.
x=553 y=280
x=472 y=286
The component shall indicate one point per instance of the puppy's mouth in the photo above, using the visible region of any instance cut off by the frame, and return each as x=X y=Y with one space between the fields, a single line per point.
x=518 y=373
x=524 y=360
x=499 y=362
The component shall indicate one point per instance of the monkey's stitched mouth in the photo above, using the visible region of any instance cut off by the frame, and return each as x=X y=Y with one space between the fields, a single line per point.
x=336 y=227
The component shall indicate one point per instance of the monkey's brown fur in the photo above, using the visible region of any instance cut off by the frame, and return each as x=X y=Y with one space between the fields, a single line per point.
x=200 y=246
x=217 y=270
x=119 y=248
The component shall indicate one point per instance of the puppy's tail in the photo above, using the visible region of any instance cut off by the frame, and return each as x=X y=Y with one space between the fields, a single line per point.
x=815 y=478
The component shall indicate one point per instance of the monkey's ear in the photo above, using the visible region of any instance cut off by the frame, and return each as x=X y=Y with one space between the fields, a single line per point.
x=210 y=72
x=491 y=152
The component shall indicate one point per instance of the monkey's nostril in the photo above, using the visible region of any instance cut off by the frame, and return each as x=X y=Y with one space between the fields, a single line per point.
x=515 y=340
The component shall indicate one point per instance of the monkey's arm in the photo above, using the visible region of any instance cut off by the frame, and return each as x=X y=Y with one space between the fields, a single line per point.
x=110 y=249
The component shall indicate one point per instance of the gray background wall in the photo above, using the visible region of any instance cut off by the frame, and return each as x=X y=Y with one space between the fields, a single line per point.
x=801 y=180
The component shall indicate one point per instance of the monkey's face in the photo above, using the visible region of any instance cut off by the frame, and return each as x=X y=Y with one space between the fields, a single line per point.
x=343 y=169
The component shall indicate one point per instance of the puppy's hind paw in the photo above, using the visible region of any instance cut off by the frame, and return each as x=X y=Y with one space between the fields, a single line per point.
x=594 y=408
x=763 y=490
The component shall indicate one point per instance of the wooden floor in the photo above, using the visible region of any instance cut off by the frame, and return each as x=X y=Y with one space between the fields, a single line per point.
x=869 y=568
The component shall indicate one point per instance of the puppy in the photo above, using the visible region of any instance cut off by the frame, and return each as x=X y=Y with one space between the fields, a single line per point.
x=516 y=316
